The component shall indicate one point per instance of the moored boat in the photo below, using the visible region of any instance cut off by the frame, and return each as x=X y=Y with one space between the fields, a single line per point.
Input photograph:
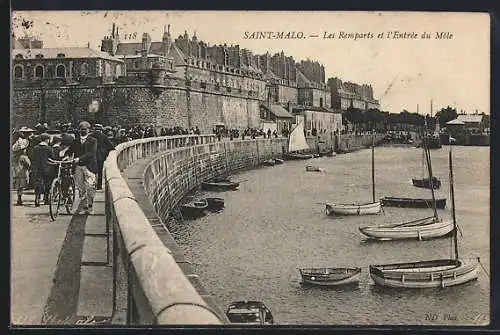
x=278 y=161
x=250 y=313
x=426 y=183
x=353 y=209
x=420 y=229
x=215 y=204
x=194 y=208
x=269 y=162
x=373 y=207
x=313 y=168
x=330 y=276
x=219 y=185
x=413 y=202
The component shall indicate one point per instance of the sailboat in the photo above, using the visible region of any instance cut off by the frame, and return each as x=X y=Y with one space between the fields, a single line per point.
x=433 y=273
x=425 y=228
x=432 y=182
x=372 y=207
x=297 y=143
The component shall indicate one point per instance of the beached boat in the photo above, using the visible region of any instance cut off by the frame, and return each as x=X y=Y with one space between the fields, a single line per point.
x=372 y=207
x=250 y=313
x=279 y=161
x=330 y=276
x=297 y=143
x=194 y=208
x=426 y=228
x=435 y=183
x=412 y=202
x=219 y=184
x=269 y=162
x=433 y=273
x=313 y=168
x=215 y=204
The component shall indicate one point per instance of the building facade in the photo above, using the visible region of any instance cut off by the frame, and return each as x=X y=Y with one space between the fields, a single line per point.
x=346 y=95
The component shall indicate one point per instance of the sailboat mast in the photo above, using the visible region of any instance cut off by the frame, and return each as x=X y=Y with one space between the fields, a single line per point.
x=431 y=184
x=373 y=165
x=452 y=191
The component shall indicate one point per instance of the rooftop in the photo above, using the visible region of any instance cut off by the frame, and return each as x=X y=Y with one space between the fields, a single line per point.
x=74 y=52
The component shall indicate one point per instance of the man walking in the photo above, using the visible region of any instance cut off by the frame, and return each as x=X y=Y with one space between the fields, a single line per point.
x=85 y=150
x=104 y=146
x=42 y=169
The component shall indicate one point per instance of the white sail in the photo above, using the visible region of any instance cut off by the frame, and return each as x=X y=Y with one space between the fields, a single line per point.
x=297 y=140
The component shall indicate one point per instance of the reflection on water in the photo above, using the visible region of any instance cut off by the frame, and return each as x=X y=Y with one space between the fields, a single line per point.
x=276 y=223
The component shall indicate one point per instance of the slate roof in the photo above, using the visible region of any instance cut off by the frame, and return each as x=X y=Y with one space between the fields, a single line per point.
x=128 y=48
x=74 y=52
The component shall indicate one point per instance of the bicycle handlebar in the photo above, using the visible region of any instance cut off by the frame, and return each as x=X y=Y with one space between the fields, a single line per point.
x=54 y=162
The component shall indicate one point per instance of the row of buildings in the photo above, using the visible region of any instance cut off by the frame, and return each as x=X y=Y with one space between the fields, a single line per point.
x=283 y=86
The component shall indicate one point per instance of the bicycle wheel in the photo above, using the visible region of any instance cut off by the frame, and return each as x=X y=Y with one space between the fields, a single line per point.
x=55 y=198
x=70 y=195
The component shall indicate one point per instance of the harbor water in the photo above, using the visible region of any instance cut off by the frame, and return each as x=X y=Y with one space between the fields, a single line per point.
x=276 y=223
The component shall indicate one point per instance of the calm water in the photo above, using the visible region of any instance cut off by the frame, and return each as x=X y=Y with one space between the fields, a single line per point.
x=275 y=223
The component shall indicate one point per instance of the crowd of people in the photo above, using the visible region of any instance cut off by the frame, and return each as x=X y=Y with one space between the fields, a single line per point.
x=32 y=150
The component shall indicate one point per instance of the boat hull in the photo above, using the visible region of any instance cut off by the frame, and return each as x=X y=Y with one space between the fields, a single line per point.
x=353 y=209
x=425 y=183
x=412 y=202
x=215 y=204
x=430 y=274
x=338 y=276
x=312 y=168
x=219 y=186
x=297 y=156
x=422 y=229
x=193 y=210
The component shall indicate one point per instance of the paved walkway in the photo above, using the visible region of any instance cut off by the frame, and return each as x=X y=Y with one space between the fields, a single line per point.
x=60 y=272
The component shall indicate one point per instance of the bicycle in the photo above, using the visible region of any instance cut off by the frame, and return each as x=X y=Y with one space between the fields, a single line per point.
x=62 y=189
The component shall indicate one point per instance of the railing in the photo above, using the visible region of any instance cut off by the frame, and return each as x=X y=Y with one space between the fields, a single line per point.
x=149 y=286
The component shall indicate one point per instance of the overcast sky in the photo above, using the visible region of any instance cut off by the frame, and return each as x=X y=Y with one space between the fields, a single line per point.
x=403 y=72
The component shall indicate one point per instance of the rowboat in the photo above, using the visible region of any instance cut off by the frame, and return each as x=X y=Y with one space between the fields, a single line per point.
x=249 y=313
x=313 y=168
x=219 y=185
x=433 y=273
x=372 y=207
x=413 y=202
x=269 y=162
x=420 y=229
x=194 y=208
x=426 y=183
x=353 y=209
x=215 y=204
x=330 y=276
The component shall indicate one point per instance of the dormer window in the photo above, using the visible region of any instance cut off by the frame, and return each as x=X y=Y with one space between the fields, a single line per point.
x=61 y=55
x=19 y=56
x=39 y=56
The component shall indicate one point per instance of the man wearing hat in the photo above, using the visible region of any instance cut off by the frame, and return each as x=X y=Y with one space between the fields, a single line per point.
x=104 y=146
x=84 y=148
x=20 y=168
x=43 y=171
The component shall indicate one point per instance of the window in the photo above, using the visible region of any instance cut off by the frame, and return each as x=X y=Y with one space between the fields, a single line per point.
x=118 y=70
x=107 y=70
x=136 y=64
x=18 y=72
x=19 y=56
x=60 y=71
x=84 y=69
x=321 y=102
x=39 y=72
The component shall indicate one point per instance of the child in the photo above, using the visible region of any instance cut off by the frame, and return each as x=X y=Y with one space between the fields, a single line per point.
x=20 y=168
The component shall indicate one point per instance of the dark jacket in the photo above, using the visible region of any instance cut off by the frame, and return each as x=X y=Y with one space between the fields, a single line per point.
x=41 y=155
x=104 y=145
x=86 y=152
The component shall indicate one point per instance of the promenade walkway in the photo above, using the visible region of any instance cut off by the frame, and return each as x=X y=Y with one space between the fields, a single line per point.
x=60 y=272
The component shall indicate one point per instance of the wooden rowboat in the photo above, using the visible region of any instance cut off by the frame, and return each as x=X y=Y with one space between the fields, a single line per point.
x=313 y=168
x=425 y=183
x=249 y=312
x=194 y=208
x=412 y=202
x=329 y=276
x=215 y=204
x=219 y=185
x=353 y=209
